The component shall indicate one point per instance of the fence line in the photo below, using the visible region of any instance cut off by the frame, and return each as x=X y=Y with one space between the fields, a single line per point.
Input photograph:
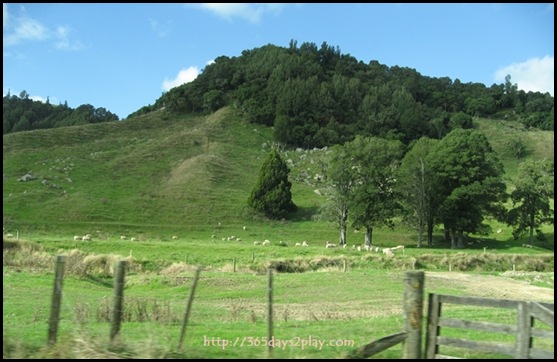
x=528 y=313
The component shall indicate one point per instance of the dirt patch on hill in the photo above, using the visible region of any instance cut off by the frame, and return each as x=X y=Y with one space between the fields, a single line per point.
x=490 y=286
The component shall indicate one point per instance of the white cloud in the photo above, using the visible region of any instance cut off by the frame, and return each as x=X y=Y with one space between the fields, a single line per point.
x=160 y=29
x=184 y=76
x=22 y=28
x=63 y=42
x=535 y=75
x=251 y=12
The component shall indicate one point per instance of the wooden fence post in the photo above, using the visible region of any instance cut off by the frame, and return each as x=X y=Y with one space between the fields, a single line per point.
x=188 y=308
x=270 y=312
x=413 y=308
x=56 y=299
x=117 y=302
x=524 y=330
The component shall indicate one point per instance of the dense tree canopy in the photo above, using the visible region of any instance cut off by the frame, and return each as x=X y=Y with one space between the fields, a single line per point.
x=531 y=197
x=468 y=180
x=315 y=96
x=375 y=200
x=271 y=195
x=24 y=114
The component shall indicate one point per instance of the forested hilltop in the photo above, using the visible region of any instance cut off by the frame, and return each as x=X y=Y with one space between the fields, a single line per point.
x=24 y=114
x=317 y=96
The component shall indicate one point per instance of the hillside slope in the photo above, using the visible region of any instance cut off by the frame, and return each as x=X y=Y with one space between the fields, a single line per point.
x=163 y=170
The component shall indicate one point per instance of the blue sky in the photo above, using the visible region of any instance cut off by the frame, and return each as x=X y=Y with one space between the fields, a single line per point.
x=124 y=56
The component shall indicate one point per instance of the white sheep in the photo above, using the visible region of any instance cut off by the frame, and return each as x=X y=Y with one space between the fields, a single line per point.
x=245 y=228
x=304 y=243
x=174 y=237
x=330 y=245
x=9 y=235
x=133 y=239
x=123 y=237
x=87 y=237
x=388 y=252
x=297 y=244
x=77 y=238
x=397 y=247
x=256 y=243
x=266 y=242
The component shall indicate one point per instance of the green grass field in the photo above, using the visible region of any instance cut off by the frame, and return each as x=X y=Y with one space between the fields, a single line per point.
x=324 y=300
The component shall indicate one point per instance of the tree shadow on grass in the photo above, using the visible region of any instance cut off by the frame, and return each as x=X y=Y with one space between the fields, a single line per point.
x=304 y=214
x=481 y=243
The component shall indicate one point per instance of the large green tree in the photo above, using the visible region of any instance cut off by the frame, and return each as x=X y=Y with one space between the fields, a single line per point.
x=469 y=182
x=272 y=195
x=416 y=186
x=341 y=185
x=374 y=201
x=531 y=197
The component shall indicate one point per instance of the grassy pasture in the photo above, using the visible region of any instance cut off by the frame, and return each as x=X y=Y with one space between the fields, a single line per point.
x=324 y=302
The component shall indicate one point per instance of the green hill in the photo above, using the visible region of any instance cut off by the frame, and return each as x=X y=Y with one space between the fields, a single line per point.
x=167 y=173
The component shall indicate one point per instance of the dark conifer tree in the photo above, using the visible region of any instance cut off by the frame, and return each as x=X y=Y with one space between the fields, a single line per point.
x=271 y=195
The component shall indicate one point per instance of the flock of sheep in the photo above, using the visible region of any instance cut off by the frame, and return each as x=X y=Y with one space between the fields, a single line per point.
x=89 y=237
x=328 y=245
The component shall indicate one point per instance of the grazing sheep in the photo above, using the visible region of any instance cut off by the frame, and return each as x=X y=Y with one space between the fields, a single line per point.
x=304 y=243
x=77 y=238
x=256 y=243
x=87 y=237
x=526 y=246
x=397 y=247
x=266 y=242
x=388 y=252
x=245 y=228
x=123 y=237
x=133 y=239
x=213 y=236
x=330 y=245
x=174 y=237
x=298 y=244
x=9 y=235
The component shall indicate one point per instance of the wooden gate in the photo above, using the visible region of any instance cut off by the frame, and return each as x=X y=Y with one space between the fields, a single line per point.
x=524 y=330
